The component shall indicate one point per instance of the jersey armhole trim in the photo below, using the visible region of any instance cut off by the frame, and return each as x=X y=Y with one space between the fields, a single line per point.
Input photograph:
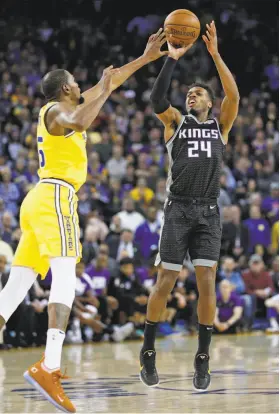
x=70 y=133
x=175 y=133
x=218 y=125
x=45 y=114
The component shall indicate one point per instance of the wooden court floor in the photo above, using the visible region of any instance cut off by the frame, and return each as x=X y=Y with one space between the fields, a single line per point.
x=104 y=378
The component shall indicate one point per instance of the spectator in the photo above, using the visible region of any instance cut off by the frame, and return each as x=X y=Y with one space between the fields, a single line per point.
x=99 y=274
x=116 y=165
x=85 y=203
x=7 y=230
x=270 y=204
x=235 y=236
x=259 y=230
x=147 y=234
x=125 y=247
x=229 y=273
x=184 y=299
x=3 y=275
x=104 y=148
x=130 y=219
x=271 y=71
x=115 y=196
x=114 y=235
x=97 y=224
x=6 y=250
x=9 y=192
x=112 y=264
x=161 y=193
x=90 y=245
x=224 y=198
x=274 y=273
x=229 y=310
x=141 y=193
x=95 y=167
x=272 y=305
x=148 y=274
x=129 y=180
x=85 y=311
x=258 y=288
x=126 y=288
x=37 y=299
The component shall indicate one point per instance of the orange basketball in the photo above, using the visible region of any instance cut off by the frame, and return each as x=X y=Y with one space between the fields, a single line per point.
x=184 y=27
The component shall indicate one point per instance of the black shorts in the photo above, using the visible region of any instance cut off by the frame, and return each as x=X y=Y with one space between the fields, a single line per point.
x=189 y=226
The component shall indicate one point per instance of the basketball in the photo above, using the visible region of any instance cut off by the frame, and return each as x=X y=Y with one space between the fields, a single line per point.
x=184 y=27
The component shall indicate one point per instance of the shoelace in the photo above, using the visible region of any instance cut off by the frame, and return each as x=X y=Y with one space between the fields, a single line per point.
x=202 y=366
x=57 y=376
x=151 y=367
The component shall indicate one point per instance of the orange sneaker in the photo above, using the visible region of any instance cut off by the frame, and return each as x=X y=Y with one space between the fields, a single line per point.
x=48 y=384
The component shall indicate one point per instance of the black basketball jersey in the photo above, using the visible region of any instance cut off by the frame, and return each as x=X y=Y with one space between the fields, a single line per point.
x=195 y=156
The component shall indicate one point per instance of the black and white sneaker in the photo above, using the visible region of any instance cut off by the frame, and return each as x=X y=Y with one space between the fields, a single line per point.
x=148 y=371
x=201 y=378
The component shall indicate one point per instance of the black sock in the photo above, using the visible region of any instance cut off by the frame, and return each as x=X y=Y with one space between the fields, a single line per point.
x=204 y=338
x=108 y=330
x=149 y=335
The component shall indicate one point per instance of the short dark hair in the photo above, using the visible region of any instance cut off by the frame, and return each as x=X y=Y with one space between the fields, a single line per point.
x=207 y=88
x=52 y=83
x=126 y=260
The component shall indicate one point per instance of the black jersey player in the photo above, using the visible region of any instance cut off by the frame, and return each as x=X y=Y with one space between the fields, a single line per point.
x=195 y=145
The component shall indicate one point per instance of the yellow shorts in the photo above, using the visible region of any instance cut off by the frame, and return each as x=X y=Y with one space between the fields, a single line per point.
x=49 y=224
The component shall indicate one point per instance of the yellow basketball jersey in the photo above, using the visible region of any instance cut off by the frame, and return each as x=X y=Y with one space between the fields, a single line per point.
x=61 y=157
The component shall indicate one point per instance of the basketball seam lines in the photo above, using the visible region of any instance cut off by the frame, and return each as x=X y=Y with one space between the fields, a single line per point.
x=183 y=25
x=60 y=219
x=70 y=198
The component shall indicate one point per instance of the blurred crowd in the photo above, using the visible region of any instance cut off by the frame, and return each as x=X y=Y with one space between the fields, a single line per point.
x=121 y=204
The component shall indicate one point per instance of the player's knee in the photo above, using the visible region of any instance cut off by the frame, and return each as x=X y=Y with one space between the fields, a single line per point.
x=166 y=281
x=63 y=281
x=207 y=281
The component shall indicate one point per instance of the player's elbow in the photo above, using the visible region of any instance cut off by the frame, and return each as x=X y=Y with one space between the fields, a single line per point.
x=234 y=97
x=154 y=99
x=159 y=105
x=237 y=97
x=79 y=127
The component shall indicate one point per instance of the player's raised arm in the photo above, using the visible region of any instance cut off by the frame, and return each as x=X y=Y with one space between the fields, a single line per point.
x=167 y=114
x=152 y=52
x=80 y=119
x=230 y=104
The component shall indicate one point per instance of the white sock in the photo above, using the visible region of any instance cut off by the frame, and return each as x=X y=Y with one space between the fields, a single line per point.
x=273 y=323
x=2 y=335
x=55 y=339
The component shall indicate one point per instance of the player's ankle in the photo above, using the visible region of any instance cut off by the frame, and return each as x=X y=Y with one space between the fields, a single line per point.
x=45 y=368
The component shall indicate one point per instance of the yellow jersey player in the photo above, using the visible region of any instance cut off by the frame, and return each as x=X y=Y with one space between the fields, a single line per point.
x=48 y=216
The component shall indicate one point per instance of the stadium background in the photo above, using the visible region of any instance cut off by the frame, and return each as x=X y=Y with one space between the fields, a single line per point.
x=127 y=158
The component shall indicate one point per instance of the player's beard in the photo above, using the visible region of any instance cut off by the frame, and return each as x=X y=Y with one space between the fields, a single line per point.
x=81 y=100
x=193 y=112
